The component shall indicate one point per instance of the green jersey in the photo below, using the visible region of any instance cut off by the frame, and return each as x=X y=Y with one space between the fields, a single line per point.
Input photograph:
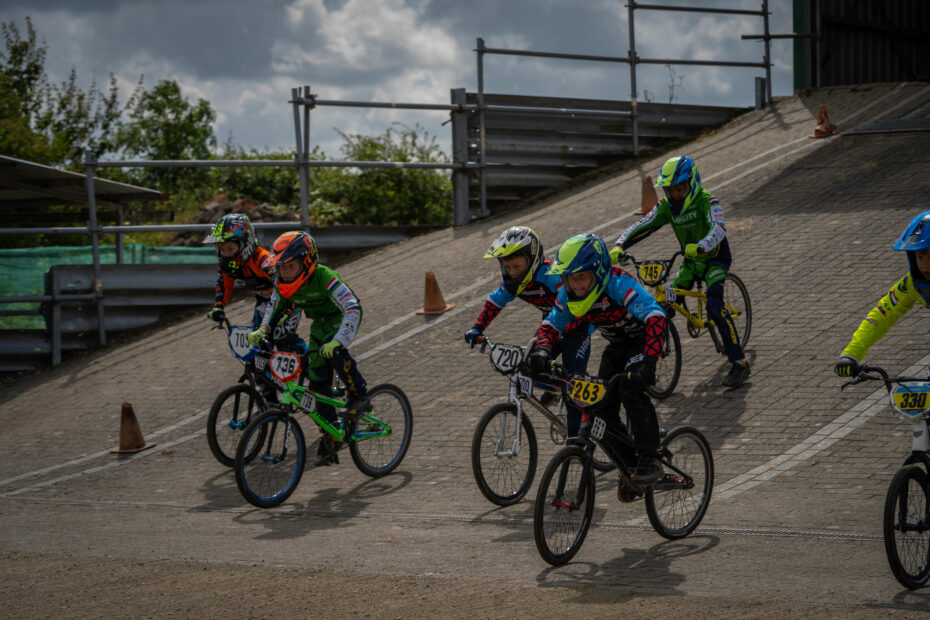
x=327 y=300
x=898 y=302
x=701 y=222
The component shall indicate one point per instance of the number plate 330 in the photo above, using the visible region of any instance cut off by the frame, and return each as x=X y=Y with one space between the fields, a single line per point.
x=911 y=400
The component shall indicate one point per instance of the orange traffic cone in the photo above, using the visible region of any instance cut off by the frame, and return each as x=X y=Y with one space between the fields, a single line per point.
x=130 y=435
x=650 y=197
x=433 y=301
x=824 y=126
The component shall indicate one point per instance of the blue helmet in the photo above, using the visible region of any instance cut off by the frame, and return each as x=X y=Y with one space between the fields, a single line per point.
x=583 y=253
x=915 y=237
x=677 y=170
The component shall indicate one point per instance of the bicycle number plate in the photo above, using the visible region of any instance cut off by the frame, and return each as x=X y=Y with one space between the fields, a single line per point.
x=598 y=426
x=651 y=273
x=308 y=401
x=911 y=400
x=587 y=392
x=238 y=343
x=525 y=386
x=285 y=366
x=260 y=362
x=506 y=358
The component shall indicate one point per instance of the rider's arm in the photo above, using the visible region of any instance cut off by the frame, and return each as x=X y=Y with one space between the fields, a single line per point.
x=643 y=307
x=553 y=326
x=899 y=300
x=276 y=304
x=224 y=288
x=717 y=225
x=651 y=222
x=493 y=306
x=351 y=308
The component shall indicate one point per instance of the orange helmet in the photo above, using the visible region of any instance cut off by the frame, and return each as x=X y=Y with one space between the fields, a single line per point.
x=293 y=246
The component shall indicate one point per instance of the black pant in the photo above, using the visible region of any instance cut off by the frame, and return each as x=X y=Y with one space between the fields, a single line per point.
x=616 y=359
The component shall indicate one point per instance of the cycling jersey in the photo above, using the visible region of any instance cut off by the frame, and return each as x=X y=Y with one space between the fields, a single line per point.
x=329 y=302
x=895 y=304
x=541 y=292
x=252 y=274
x=702 y=222
x=624 y=312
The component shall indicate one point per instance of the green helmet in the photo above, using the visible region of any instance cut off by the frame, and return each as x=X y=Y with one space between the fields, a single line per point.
x=583 y=253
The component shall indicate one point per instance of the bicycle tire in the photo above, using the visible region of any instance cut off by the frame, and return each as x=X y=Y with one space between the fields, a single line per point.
x=560 y=527
x=674 y=509
x=280 y=453
x=739 y=300
x=601 y=462
x=377 y=455
x=906 y=506
x=503 y=479
x=227 y=420
x=668 y=368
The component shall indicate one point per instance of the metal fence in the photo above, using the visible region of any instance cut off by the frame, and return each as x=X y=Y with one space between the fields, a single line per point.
x=470 y=156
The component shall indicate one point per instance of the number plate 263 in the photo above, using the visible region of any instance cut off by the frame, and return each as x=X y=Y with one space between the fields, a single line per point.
x=587 y=392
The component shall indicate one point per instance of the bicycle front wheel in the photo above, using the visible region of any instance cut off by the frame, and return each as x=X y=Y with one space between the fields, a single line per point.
x=736 y=295
x=503 y=460
x=279 y=452
x=676 y=503
x=564 y=505
x=382 y=436
x=906 y=527
x=233 y=410
x=668 y=367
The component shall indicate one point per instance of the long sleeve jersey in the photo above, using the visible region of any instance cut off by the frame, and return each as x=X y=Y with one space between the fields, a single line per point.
x=624 y=311
x=895 y=304
x=541 y=292
x=327 y=301
x=702 y=222
x=252 y=274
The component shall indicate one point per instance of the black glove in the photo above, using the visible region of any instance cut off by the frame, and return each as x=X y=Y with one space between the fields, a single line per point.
x=645 y=372
x=539 y=361
x=216 y=314
x=847 y=366
x=473 y=336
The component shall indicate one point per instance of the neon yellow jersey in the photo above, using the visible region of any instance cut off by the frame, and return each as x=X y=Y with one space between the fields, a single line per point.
x=898 y=302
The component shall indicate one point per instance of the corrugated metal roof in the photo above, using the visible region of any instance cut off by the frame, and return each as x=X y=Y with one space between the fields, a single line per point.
x=27 y=184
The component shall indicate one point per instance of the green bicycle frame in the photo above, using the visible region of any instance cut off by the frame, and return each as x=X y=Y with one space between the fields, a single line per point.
x=294 y=395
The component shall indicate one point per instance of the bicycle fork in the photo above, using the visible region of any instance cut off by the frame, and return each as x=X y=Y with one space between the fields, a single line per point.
x=577 y=501
x=267 y=455
x=503 y=449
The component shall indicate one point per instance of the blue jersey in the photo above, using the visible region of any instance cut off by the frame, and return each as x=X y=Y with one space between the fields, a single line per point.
x=621 y=313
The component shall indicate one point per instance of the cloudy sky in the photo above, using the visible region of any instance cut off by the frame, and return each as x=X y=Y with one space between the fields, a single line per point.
x=244 y=57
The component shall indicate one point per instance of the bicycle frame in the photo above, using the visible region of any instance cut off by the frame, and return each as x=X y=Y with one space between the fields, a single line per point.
x=521 y=391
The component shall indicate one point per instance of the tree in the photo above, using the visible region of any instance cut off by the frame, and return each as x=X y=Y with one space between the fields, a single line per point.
x=164 y=125
x=389 y=196
x=50 y=124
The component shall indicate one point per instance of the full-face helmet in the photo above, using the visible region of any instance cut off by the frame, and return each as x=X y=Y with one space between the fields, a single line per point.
x=914 y=238
x=233 y=227
x=517 y=241
x=677 y=170
x=586 y=252
x=293 y=246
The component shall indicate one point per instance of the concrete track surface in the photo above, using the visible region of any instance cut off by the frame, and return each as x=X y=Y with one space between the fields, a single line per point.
x=794 y=526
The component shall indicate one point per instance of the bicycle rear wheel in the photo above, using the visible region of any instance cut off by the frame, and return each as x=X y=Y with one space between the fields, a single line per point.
x=668 y=368
x=382 y=436
x=676 y=504
x=233 y=410
x=564 y=505
x=280 y=452
x=503 y=468
x=736 y=295
x=906 y=527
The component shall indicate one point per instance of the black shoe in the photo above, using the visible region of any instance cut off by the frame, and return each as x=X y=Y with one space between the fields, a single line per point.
x=548 y=398
x=357 y=406
x=626 y=493
x=648 y=471
x=327 y=452
x=737 y=375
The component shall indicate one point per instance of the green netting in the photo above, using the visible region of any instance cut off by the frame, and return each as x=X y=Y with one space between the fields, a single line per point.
x=23 y=270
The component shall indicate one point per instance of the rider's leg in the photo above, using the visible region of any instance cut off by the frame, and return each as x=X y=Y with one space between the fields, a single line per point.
x=576 y=348
x=739 y=368
x=613 y=360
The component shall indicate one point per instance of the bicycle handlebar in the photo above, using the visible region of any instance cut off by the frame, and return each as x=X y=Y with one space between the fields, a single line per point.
x=865 y=376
